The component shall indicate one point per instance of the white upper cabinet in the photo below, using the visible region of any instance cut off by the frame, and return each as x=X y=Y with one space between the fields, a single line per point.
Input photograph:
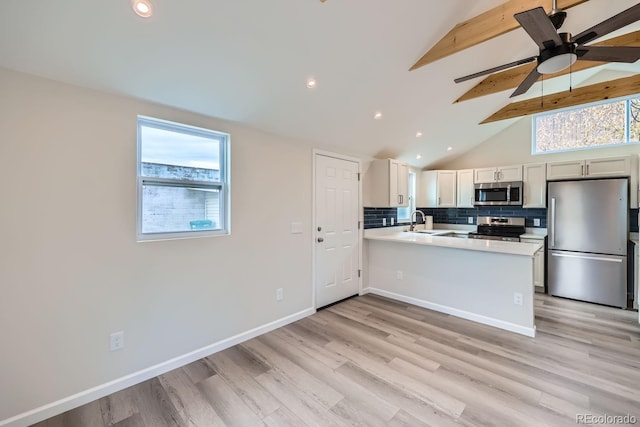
x=482 y=176
x=593 y=168
x=535 y=185
x=613 y=166
x=437 y=189
x=465 y=188
x=498 y=174
x=388 y=182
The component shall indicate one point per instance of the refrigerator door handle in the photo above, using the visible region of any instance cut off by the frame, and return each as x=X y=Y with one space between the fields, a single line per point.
x=553 y=222
x=595 y=258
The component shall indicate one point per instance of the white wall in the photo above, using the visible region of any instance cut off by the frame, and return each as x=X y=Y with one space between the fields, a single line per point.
x=513 y=146
x=71 y=271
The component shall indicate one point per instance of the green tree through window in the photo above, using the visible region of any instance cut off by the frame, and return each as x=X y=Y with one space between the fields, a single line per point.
x=611 y=123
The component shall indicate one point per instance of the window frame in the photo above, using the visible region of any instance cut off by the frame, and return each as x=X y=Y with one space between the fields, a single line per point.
x=412 y=199
x=626 y=132
x=223 y=185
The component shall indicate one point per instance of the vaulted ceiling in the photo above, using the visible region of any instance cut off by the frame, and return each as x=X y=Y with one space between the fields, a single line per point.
x=248 y=61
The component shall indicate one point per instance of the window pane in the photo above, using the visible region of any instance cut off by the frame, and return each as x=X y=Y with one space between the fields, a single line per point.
x=634 y=119
x=176 y=209
x=178 y=155
x=405 y=213
x=602 y=124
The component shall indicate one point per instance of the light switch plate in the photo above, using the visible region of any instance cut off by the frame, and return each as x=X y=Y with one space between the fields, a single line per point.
x=384 y=222
x=536 y=222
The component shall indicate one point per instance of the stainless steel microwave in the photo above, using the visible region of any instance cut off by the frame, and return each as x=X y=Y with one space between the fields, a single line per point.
x=498 y=194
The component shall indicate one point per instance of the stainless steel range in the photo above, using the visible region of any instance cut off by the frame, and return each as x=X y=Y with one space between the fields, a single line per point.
x=498 y=228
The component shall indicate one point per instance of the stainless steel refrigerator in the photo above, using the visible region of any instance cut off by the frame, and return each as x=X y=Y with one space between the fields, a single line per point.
x=588 y=229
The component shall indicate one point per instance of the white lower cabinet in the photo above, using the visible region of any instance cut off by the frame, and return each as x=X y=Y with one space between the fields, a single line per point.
x=538 y=265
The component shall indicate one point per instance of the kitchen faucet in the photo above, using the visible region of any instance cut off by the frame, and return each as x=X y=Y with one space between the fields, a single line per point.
x=414 y=223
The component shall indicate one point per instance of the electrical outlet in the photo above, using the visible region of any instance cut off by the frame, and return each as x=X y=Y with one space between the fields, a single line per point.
x=116 y=341
x=392 y=220
x=536 y=222
x=384 y=222
x=470 y=220
x=279 y=294
x=517 y=298
x=399 y=275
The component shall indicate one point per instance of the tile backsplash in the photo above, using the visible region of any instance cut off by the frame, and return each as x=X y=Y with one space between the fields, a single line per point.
x=373 y=216
x=461 y=215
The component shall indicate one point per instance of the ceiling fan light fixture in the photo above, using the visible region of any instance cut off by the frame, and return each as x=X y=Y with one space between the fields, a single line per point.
x=557 y=63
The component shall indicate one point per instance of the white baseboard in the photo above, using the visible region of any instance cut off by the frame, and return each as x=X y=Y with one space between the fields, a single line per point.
x=512 y=327
x=86 y=396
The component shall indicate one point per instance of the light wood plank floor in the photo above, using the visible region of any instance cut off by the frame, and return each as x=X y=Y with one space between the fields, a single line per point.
x=371 y=361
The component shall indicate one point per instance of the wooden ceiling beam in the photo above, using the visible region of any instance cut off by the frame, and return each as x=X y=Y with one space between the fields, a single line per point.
x=584 y=95
x=485 y=26
x=511 y=78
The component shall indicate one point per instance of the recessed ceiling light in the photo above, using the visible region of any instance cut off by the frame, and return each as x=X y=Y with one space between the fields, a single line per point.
x=418 y=157
x=377 y=115
x=142 y=8
x=449 y=148
x=311 y=83
x=418 y=134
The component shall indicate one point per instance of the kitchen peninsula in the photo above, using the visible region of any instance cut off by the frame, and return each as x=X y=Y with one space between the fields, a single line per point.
x=486 y=281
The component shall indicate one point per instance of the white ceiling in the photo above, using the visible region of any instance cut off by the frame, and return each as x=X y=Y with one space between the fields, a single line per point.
x=248 y=60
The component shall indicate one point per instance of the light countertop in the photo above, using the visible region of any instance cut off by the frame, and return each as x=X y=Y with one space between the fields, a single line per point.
x=533 y=236
x=498 y=246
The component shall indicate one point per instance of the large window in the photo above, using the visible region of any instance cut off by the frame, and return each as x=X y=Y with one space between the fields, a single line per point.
x=183 y=180
x=595 y=125
x=404 y=214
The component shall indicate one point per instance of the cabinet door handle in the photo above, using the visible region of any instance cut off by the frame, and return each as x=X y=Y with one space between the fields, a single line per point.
x=320 y=240
x=439 y=200
x=587 y=170
x=582 y=170
x=494 y=176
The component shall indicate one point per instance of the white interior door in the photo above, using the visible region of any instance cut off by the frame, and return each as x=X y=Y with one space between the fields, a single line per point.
x=336 y=234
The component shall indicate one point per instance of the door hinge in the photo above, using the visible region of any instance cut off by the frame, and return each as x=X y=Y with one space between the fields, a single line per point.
x=358 y=176
x=359 y=271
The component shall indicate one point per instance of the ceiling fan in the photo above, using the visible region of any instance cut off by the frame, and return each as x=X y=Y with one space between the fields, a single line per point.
x=560 y=50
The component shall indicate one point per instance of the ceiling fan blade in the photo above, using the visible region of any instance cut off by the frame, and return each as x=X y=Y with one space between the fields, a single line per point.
x=526 y=84
x=495 y=69
x=627 y=54
x=618 y=21
x=539 y=27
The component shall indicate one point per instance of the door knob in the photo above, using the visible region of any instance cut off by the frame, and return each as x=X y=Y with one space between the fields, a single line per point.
x=320 y=240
